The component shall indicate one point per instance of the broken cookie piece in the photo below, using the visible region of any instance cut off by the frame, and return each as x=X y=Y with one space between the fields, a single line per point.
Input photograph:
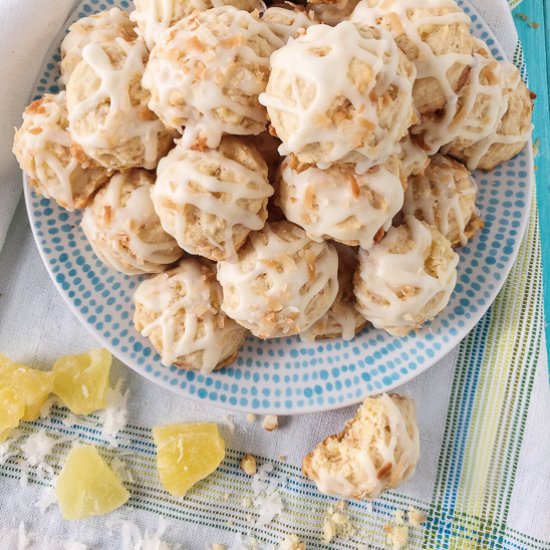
x=377 y=450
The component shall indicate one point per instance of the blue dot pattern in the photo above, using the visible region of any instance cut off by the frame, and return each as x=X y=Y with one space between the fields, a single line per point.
x=286 y=375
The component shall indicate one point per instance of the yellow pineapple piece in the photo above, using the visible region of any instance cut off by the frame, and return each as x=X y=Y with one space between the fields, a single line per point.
x=33 y=386
x=187 y=453
x=86 y=486
x=81 y=381
x=12 y=409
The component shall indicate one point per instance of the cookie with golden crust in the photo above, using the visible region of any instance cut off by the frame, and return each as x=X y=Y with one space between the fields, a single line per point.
x=179 y=311
x=338 y=204
x=377 y=450
x=124 y=229
x=46 y=153
x=435 y=36
x=407 y=278
x=330 y=99
x=281 y=283
x=100 y=28
x=107 y=107
x=445 y=196
x=153 y=17
x=511 y=133
x=206 y=72
x=210 y=200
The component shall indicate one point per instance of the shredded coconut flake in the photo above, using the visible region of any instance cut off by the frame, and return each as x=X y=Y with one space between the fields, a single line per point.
x=46 y=500
x=120 y=468
x=23 y=539
x=132 y=539
x=229 y=421
x=70 y=420
x=37 y=446
x=46 y=408
x=267 y=500
x=115 y=415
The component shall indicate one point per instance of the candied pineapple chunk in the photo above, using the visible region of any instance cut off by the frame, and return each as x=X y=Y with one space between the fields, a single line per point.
x=187 y=453
x=33 y=386
x=12 y=409
x=86 y=486
x=81 y=381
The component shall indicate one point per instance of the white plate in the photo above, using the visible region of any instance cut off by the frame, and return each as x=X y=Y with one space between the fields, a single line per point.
x=287 y=376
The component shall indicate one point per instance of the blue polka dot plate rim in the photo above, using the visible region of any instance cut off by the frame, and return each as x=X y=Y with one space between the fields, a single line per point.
x=287 y=376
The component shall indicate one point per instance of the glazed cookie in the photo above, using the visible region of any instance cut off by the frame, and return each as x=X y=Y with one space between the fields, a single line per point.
x=512 y=101
x=179 y=311
x=435 y=36
x=445 y=197
x=44 y=149
x=331 y=99
x=207 y=71
x=153 y=17
x=123 y=228
x=107 y=106
x=210 y=200
x=281 y=283
x=377 y=450
x=407 y=278
x=101 y=28
x=288 y=20
x=480 y=105
x=342 y=320
x=339 y=204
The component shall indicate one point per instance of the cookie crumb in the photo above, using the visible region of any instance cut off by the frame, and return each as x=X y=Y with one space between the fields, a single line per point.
x=292 y=542
x=248 y=464
x=416 y=517
x=336 y=524
x=251 y=418
x=218 y=547
x=270 y=423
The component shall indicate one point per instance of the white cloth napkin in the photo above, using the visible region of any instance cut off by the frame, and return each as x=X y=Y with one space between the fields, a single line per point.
x=36 y=327
x=27 y=28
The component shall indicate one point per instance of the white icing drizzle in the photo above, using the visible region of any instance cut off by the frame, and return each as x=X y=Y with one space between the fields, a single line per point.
x=333 y=13
x=42 y=147
x=409 y=295
x=458 y=118
x=183 y=170
x=153 y=17
x=288 y=21
x=205 y=74
x=328 y=72
x=443 y=197
x=101 y=28
x=511 y=84
x=379 y=451
x=410 y=22
x=339 y=204
x=182 y=305
x=124 y=121
x=296 y=271
x=117 y=224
